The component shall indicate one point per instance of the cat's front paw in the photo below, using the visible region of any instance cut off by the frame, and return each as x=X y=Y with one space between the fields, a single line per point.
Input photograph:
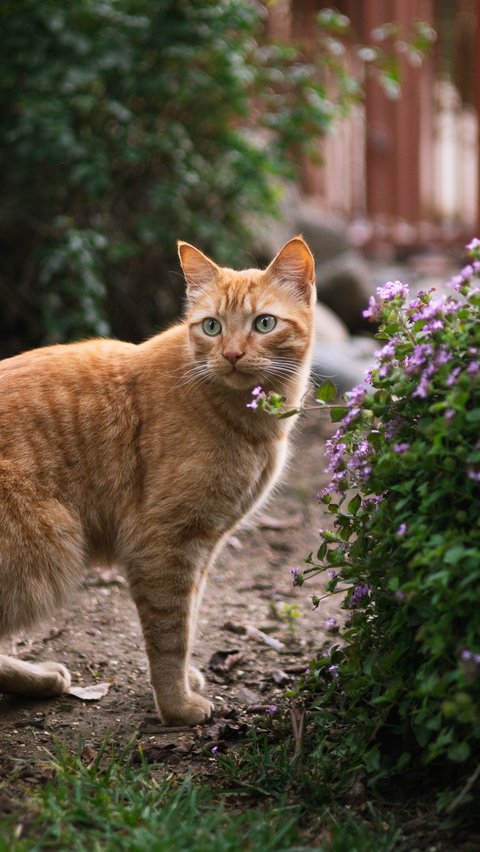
x=194 y=711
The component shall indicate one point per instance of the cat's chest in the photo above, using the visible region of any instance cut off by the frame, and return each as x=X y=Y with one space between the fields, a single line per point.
x=211 y=485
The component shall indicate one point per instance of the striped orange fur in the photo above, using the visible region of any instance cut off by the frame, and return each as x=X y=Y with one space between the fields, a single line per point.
x=148 y=456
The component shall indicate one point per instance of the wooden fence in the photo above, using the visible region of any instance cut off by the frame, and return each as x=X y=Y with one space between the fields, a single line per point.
x=405 y=170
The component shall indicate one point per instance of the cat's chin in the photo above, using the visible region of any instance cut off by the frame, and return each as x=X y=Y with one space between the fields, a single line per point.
x=239 y=381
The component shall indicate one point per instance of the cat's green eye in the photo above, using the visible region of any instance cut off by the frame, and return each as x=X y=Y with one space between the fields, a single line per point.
x=265 y=323
x=211 y=326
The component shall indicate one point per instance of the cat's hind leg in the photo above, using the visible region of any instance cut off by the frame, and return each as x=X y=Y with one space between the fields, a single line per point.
x=18 y=677
x=41 y=558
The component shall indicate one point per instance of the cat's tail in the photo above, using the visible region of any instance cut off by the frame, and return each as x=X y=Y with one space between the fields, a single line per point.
x=17 y=677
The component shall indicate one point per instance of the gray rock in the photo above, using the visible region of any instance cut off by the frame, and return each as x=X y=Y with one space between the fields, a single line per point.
x=344 y=285
x=329 y=327
x=344 y=362
x=325 y=234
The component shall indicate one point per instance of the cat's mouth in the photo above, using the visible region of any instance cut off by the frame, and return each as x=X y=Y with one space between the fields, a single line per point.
x=239 y=377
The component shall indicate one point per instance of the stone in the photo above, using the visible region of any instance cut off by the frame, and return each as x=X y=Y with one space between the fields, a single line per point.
x=345 y=362
x=329 y=328
x=325 y=234
x=344 y=285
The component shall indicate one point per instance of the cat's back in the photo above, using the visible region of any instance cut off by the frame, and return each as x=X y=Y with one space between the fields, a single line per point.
x=62 y=408
x=69 y=363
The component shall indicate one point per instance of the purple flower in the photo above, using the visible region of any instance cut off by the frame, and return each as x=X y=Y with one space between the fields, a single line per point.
x=357 y=395
x=434 y=325
x=402 y=530
x=351 y=415
x=332 y=625
x=459 y=282
x=399 y=596
x=473 y=368
x=474 y=244
x=443 y=356
x=393 y=428
x=401 y=448
x=449 y=414
x=258 y=393
x=373 y=501
x=359 y=593
x=453 y=376
x=474 y=475
x=391 y=289
x=423 y=387
x=373 y=310
x=272 y=708
x=414 y=362
x=332 y=574
x=465 y=656
x=214 y=749
x=297 y=576
x=334 y=670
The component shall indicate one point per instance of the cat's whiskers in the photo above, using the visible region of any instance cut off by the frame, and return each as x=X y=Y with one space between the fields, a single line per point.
x=193 y=377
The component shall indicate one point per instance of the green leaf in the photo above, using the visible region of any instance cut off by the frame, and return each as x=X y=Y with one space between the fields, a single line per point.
x=354 y=504
x=459 y=752
x=337 y=413
x=454 y=554
x=321 y=552
x=473 y=416
x=326 y=392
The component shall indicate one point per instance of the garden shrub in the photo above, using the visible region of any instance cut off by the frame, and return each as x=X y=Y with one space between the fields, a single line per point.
x=126 y=125
x=404 y=496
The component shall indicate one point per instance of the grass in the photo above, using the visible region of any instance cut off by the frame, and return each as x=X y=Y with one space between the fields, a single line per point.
x=114 y=805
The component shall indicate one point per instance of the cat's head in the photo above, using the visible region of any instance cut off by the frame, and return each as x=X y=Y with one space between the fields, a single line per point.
x=253 y=326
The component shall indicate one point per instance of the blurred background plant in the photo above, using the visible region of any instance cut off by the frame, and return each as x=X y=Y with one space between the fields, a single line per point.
x=127 y=124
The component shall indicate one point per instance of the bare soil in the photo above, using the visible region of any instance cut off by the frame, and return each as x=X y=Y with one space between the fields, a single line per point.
x=100 y=640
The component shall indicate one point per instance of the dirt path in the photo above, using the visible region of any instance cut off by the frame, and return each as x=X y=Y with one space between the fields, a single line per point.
x=99 y=637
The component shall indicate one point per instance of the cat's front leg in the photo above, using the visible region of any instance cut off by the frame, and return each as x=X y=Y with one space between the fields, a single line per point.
x=166 y=596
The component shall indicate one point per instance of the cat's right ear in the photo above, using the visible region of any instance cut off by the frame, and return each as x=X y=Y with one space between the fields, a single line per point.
x=294 y=268
x=200 y=272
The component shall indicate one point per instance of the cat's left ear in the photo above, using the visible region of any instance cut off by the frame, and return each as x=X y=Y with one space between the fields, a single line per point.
x=294 y=267
x=200 y=272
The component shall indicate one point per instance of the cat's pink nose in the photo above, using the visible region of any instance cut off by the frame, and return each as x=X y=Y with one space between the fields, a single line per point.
x=233 y=355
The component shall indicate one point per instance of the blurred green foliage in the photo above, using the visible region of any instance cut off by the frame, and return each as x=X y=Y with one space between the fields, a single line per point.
x=128 y=124
x=125 y=125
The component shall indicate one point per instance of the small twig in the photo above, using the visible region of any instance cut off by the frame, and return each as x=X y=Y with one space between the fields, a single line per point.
x=298 y=720
x=163 y=729
x=463 y=792
x=260 y=636
x=329 y=594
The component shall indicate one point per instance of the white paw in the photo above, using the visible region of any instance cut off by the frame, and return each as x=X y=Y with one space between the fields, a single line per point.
x=57 y=678
x=194 y=711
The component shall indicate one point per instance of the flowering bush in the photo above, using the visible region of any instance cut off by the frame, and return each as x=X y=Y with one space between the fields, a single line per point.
x=404 y=492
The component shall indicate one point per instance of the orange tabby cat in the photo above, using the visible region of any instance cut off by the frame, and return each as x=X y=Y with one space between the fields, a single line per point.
x=147 y=455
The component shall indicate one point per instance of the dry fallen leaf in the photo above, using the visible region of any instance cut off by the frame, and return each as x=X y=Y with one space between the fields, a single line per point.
x=223 y=661
x=90 y=693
